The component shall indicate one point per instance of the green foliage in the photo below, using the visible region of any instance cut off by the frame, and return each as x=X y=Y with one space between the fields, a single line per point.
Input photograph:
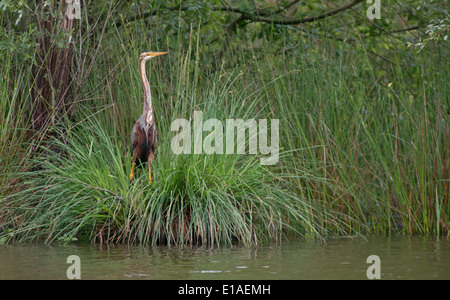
x=364 y=124
x=194 y=199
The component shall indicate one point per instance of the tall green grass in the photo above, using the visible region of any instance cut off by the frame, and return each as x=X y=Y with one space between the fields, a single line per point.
x=194 y=199
x=381 y=143
x=13 y=122
x=362 y=150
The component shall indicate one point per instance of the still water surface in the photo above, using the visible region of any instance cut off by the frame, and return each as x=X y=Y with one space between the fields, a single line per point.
x=401 y=258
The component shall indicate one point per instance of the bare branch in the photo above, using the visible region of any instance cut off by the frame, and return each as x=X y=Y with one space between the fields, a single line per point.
x=286 y=21
x=257 y=16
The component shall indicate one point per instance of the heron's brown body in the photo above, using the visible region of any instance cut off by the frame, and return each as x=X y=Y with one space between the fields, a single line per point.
x=143 y=134
x=143 y=144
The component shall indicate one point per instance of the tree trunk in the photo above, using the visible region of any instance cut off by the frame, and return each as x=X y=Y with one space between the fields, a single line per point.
x=54 y=60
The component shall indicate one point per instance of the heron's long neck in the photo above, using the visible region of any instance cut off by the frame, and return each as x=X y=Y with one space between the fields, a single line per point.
x=148 y=109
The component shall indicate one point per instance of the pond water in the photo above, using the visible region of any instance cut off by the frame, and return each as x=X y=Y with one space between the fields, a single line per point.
x=400 y=258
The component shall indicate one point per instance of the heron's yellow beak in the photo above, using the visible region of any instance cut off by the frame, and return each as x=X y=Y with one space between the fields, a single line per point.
x=153 y=54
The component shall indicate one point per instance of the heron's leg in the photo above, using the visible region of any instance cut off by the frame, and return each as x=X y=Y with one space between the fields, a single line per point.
x=132 y=167
x=150 y=162
x=133 y=164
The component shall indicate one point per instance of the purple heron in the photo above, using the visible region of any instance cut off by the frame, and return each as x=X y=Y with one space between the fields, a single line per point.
x=143 y=135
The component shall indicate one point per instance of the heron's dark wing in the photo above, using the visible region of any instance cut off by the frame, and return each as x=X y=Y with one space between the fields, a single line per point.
x=134 y=137
x=153 y=136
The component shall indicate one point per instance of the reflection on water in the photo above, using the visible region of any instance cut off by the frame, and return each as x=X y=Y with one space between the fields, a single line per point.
x=401 y=258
